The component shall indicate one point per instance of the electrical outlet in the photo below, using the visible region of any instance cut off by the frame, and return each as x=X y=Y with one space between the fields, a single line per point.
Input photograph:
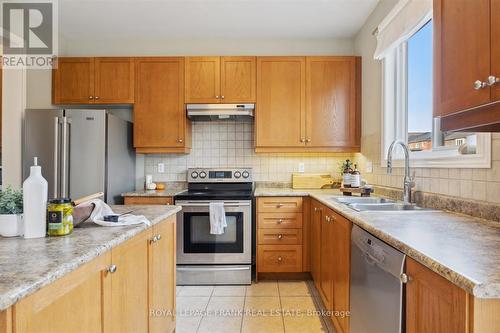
x=369 y=167
x=302 y=167
x=161 y=167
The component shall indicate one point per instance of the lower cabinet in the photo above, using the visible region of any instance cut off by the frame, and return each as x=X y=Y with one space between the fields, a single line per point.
x=128 y=289
x=433 y=304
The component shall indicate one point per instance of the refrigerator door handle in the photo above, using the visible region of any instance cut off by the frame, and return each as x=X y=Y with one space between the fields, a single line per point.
x=56 y=157
x=64 y=158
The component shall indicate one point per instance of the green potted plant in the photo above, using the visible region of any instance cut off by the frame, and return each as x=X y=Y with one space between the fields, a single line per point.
x=11 y=210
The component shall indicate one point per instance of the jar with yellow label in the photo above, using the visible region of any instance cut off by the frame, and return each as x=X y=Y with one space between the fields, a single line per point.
x=59 y=217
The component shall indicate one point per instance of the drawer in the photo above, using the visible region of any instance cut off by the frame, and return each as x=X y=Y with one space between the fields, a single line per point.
x=280 y=236
x=279 y=204
x=279 y=258
x=279 y=220
x=148 y=200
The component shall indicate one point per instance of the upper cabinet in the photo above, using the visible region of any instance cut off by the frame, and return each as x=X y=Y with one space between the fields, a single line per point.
x=220 y=79
x=108 y=80
x=308 y=104
x=160 y=124
x=466 y=90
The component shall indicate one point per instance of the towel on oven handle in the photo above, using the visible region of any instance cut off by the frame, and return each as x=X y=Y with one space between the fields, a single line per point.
x=217 y=218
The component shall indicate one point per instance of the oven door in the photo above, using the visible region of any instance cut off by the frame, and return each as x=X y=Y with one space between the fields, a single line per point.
x=195 y=244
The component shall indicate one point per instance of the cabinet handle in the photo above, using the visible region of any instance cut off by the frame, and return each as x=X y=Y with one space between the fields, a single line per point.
x=112 y=269
x=158 y=237
x=179 y=140
x=492 y=80
x=279 y=205
x=280 y=259
x=302 y=140
x=480 y=84
x=91 y=97
x=222 y=97
x=333 y=219
x=280 y=221
x=308 y=140
x=154 y=239
x=280 y=236
x=404 y=278
x=97 y=97
x=217 y=96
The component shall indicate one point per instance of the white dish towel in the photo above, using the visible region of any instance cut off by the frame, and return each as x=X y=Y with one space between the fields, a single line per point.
x=217 y=218
x=101 y=209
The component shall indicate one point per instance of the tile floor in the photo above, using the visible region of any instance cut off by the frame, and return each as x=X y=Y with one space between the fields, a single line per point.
x=264 y=307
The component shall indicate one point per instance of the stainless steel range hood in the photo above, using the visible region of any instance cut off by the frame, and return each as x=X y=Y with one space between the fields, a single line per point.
x=205 y=112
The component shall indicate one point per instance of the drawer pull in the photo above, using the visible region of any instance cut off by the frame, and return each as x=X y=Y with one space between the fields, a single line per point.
x=112 y=268
x=279 y=205
x=280 y=259
x=280 y=236
x=280 y=221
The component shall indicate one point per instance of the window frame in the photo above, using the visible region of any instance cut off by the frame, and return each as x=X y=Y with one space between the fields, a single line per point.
x=395 y=126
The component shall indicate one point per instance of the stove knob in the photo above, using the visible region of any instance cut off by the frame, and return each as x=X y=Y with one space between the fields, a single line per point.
x=203 y=174
x=245 y=174
x=194 y=174
x=237 y=174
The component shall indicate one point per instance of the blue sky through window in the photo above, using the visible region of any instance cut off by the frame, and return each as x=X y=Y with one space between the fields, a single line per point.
x=420 y=80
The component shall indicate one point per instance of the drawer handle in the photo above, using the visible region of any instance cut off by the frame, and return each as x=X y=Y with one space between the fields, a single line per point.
x=280 y=259
x=112 y=269
x=280 y=236
x=280 y=221
x=279 y=205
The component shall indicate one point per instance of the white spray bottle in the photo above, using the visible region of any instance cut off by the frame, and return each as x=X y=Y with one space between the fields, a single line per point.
x=35 y=190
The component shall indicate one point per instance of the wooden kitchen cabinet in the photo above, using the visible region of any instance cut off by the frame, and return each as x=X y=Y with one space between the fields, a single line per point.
x=160 y=123
x=316 y=219
x=129 y=285
x=472 y=26
x=162 y=281
x=220 y=79
x=433 y=304
x=333 y=107
x=308 y=104
x=73 y=81
x=88 y=80
x=327 y=258
x=79 y=301
x=279 y=119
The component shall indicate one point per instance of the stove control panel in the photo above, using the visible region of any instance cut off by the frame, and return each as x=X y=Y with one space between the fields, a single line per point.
x=216 y=175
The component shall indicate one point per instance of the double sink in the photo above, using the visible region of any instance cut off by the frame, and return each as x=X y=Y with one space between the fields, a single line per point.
x=362 y=204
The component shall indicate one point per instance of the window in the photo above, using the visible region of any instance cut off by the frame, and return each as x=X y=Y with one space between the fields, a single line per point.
x=408 y=109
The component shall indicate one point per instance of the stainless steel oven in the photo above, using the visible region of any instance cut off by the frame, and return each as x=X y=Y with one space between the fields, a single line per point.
x=204 y=258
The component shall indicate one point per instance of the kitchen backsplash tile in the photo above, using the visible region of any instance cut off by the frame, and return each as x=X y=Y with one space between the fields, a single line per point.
x=230 y=143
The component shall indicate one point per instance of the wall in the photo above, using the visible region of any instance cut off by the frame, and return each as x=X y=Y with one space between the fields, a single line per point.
x=478 y=184
x=228 y=144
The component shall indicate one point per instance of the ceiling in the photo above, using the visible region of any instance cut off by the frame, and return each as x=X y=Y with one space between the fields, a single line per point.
x=195 y=19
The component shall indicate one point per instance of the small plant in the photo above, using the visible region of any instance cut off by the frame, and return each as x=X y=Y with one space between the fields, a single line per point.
x=344 y=165
x=11 y=201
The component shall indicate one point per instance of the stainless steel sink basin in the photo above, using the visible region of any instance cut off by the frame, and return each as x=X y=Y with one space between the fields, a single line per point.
x=392 y=206
x=362 y=200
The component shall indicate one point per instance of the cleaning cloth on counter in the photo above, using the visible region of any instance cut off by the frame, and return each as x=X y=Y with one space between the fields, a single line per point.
x=217 y=218
x=101 y=209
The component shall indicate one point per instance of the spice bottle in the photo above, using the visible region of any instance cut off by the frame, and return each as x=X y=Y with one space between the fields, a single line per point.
x=346 y=177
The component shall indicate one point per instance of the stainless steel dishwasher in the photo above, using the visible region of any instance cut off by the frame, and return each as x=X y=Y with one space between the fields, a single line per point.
x=377 y=275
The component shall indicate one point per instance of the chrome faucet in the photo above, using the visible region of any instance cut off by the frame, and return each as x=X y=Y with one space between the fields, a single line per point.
x=408 y=183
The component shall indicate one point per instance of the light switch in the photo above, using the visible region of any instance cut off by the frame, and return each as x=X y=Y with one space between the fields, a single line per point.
x=161 y=167
x=301 y=167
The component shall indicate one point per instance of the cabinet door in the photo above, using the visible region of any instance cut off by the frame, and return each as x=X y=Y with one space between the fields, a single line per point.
x=326 y=260
x=332 y=113
x=495 y=47
x=78 y=302
x=159 y=115
x=73 y=81
x=203 y=80
x=129 y=285
x=280 y=115
x=114 y=80
x=433 y=304
x=341 y=270
x=238 y=79
x=316 y=220
x=162 y=277
x=460 y=25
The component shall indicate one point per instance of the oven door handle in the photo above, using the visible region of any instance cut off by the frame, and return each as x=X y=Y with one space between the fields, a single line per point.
x=206 y=204
x=215 y=269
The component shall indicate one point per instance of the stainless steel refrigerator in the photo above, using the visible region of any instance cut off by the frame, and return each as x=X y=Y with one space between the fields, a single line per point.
x=81 y=152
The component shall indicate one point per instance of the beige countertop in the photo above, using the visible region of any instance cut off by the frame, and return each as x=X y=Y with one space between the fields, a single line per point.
x=30 y=264
x=463 y=249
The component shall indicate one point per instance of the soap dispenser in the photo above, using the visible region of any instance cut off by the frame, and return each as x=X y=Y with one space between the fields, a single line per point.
x=35 y=190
